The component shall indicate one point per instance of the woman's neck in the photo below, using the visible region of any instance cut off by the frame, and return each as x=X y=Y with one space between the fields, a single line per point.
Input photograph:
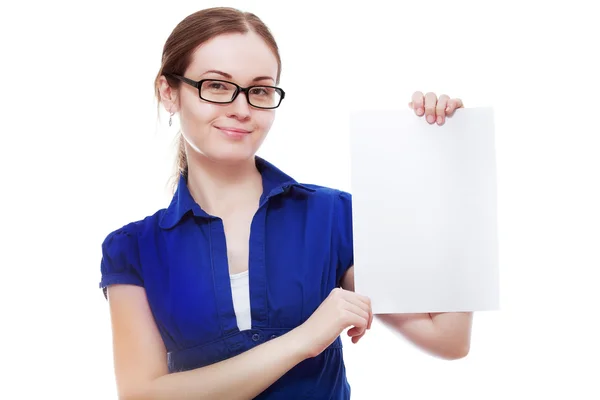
x=222 y=188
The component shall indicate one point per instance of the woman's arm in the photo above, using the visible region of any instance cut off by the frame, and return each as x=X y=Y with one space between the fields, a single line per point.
x=444 y=335
x=141 y=361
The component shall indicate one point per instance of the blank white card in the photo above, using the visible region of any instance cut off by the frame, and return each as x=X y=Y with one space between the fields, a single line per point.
x=424 y=211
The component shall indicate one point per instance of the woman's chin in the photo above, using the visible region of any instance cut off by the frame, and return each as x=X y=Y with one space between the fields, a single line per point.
x=226 y=151
x=231 y=154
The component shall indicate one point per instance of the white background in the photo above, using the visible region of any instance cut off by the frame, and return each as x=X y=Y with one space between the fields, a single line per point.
x=82 y=154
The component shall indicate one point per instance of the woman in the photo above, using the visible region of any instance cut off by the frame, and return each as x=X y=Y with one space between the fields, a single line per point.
x=242 y=286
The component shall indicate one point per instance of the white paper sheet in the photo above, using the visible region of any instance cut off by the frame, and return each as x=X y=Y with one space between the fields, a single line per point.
x=424 y=211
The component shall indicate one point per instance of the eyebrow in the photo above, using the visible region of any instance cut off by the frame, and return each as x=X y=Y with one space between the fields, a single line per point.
x=228 y=76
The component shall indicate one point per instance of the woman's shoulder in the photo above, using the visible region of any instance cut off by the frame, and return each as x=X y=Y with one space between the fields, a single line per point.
x=130 y=231
x=330 y=194
x=326 y=191
x=121 y=247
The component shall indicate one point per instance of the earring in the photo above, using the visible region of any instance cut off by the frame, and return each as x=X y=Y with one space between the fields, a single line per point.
x=171 y=119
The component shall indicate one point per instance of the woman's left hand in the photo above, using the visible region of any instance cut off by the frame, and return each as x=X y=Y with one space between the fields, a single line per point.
x=433 y=108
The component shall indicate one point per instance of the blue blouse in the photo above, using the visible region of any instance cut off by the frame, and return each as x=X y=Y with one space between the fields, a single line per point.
x=300 y=247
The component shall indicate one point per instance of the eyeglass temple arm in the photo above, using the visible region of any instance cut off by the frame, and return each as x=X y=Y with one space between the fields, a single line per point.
x=186 y=80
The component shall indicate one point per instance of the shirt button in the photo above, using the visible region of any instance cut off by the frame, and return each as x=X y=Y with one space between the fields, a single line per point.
x=256 y=337
x=273 y=336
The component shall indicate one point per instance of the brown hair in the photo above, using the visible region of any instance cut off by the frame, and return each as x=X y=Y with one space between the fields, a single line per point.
x=193 y=31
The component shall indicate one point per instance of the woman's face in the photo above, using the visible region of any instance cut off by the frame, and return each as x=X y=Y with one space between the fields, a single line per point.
x=227 y=132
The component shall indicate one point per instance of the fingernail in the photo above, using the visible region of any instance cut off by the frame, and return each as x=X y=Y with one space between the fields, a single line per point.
x=439 y=119
x=447 y=109
x=430 y=119
x=420 y=111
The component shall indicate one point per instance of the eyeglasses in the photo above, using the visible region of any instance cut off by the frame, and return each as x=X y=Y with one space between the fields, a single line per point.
x=224 y=92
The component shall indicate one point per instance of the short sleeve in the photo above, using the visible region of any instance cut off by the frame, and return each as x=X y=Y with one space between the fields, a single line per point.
x=344 y=242
x=120 y=259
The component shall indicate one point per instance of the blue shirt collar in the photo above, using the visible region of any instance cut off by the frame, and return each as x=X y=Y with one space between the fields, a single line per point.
x=275 y=182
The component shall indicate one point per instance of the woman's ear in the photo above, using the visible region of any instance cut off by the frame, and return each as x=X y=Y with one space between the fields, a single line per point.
x=168 y=95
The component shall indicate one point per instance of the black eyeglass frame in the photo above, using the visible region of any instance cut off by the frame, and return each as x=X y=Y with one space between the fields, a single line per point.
x=238 y=90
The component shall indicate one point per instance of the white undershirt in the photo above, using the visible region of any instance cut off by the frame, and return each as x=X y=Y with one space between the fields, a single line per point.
x=240 y=289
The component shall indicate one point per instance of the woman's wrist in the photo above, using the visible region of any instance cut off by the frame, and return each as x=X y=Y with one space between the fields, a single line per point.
x=297 y=342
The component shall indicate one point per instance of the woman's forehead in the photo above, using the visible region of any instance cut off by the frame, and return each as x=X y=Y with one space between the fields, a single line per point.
x=243 y=56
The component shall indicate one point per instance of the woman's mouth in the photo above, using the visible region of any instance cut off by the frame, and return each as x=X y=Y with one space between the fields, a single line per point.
x=234 y=133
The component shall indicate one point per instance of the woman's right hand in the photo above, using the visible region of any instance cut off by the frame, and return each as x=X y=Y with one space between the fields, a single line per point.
x=340 y=310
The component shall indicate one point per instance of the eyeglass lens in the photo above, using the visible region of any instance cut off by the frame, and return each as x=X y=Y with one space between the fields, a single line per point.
x=222 y=92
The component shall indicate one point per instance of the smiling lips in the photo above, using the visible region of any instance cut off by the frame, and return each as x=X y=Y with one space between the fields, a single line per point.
x=234 y=132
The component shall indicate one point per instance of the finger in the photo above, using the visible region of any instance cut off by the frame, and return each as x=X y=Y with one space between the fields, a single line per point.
x=361 y=298
x=453 y=105
x=430 y=103
x=356 y=334
x=418 y=103
x=358 y=310
x=357 y=325
x=356 y=338
x=356 y=331
x=366 y=304
x=355 y=297
x=355 y=318
x=361 y=301
x=440 y=109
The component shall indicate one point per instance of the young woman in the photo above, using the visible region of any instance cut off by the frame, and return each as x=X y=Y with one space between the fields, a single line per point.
x=241 y=288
